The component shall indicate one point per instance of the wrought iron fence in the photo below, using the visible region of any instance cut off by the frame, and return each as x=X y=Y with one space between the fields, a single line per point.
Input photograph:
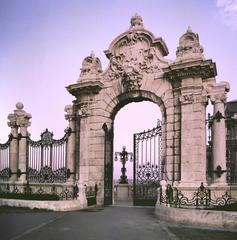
x=5 y=171
x=40 y=192
x=201 y=198
x=47 y=159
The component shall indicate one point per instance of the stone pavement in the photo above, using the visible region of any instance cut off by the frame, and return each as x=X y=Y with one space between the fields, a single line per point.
x=110 y=223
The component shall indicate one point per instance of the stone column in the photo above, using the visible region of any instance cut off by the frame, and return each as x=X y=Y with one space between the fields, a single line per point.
x=219 y=139
x=71 y=144
x=23 y=122
x=13 y=145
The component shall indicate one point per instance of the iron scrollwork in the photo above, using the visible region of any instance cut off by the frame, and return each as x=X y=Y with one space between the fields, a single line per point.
x=218 y=116
x=201 y=198
x=47 y=175
x=28 y=190
x=5 y=173
x=219 y=171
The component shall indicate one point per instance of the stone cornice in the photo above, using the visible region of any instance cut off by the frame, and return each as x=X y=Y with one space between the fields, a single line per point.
x=204 y=69
x=89 y=87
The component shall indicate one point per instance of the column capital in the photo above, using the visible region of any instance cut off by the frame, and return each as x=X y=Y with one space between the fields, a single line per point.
x=217 y=92
x=12 y=121
x=69 y=113
x=218 y=98
x=20 y=118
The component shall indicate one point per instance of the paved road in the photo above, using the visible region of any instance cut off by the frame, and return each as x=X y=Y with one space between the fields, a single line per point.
x=111 y=223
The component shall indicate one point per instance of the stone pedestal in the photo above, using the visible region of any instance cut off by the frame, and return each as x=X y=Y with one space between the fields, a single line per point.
x=82 y=195
x=123 y=193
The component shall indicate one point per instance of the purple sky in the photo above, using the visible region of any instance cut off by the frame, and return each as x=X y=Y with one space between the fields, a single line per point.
x=43 y=43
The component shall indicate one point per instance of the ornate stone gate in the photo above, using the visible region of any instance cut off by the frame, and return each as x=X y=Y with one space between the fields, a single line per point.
x=137 y=71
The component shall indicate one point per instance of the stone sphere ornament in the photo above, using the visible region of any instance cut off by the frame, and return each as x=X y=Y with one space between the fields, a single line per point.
x=19 y=105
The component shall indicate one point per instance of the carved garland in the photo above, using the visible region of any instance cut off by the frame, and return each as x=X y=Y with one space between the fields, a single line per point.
x=84 y=110
x=186 y=99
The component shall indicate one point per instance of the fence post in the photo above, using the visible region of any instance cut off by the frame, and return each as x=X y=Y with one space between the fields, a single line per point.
x=13 y=145
x=23 y=122
x=71 y=144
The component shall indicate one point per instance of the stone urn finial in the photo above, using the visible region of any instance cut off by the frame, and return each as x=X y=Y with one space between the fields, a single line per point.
x=136 y=22
x=189 y=30
x=92 y=54
x=91 y=67
x=189 y=47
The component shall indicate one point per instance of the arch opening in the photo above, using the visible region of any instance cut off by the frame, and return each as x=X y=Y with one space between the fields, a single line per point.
x=131 y=118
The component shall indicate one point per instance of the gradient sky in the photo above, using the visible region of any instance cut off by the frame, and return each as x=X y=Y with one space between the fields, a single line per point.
x=43 y=43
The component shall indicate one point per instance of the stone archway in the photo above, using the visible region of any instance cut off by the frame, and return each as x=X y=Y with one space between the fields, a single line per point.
x=124 y=99
x=138 y=70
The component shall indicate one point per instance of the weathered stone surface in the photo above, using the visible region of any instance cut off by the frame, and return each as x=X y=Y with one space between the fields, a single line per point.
x=67 y=205
x=211 y=218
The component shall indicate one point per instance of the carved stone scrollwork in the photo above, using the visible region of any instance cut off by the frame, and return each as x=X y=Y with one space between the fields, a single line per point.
x=131 y=58
x=12 y=120
x=20 y=118
x=84 y=110
x=131 y=79
x=187 y=99
x=202 y=98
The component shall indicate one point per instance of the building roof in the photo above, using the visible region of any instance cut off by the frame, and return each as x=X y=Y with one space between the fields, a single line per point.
x=231 y=108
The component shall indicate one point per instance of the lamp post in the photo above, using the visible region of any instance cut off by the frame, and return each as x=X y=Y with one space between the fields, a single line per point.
x=123 y=156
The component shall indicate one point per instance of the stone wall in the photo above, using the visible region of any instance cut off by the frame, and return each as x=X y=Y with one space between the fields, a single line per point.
x=205 y=218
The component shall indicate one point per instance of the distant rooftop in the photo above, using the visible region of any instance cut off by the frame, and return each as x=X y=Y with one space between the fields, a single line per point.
x=231 y=108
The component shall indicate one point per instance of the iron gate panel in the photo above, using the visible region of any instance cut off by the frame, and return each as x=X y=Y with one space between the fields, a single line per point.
x=108 y=166
x=147 y=167
x=108 y=184
x=47 y=159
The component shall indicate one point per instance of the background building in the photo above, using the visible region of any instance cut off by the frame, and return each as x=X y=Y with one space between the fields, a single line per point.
x=231 y=141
